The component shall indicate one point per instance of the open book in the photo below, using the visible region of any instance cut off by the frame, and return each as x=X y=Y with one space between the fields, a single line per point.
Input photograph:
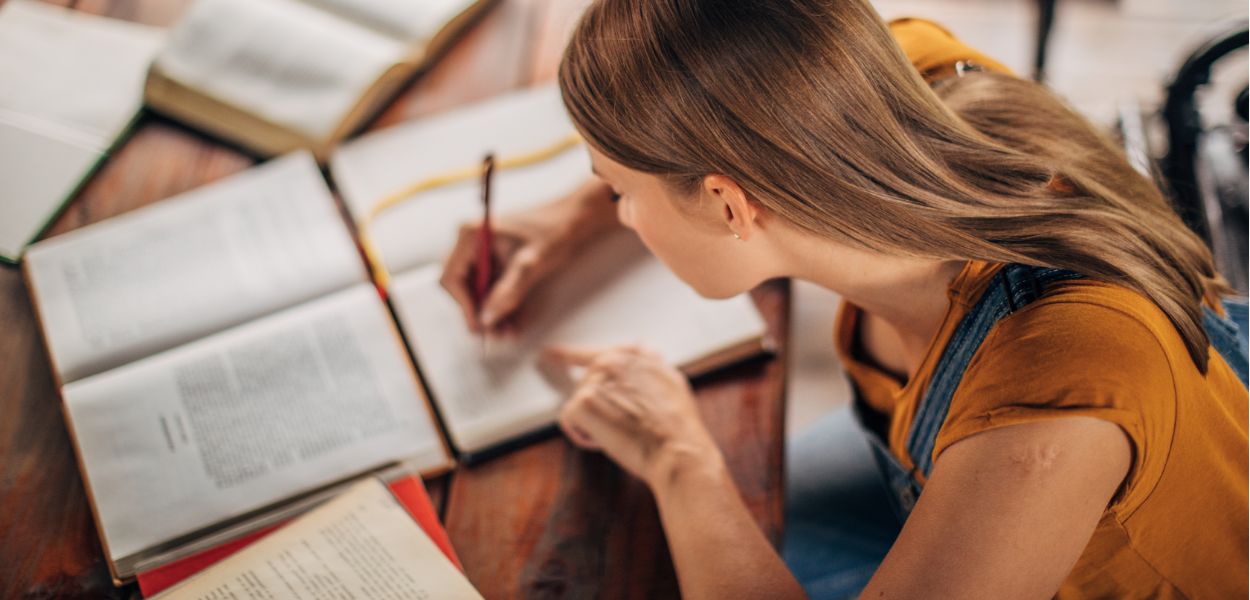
x=404 y=485
x=616 y=292
x=70 y=85
x=222 y=358
x=276 y=75
x=362 y=544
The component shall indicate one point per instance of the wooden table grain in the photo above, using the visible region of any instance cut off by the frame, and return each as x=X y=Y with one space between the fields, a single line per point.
x=545 y=521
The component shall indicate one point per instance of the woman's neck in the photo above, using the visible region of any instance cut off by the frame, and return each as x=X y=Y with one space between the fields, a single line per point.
x=905 y=298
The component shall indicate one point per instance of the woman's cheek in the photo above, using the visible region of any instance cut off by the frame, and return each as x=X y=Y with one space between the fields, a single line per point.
x=688 y=252
x=686 y=257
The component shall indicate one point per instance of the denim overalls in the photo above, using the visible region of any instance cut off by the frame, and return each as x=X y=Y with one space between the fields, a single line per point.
x=1011 y=289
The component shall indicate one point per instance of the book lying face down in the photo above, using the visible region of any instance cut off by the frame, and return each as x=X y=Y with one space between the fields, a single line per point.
x=615 y=293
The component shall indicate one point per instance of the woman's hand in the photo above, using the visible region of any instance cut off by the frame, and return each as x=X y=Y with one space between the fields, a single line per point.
x=528 y=247
x=641 y=413
x=638 y=410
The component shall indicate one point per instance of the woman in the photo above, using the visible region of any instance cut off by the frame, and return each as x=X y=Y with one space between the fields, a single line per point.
x=1089 y=443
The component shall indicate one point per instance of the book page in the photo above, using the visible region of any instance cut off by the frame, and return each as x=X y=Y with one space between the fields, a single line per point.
x=39 y=174
x=234 y=422
x=71 y=75
x=284 y=61
x=52 y=132
x=359 y=545
x=172 y=272
x=421 y=230
x=614 y=293
x=414 y=21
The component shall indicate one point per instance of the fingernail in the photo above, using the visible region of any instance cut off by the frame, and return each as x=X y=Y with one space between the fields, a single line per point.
x=488 y=317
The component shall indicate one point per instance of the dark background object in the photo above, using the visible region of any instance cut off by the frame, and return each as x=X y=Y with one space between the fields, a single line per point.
x=1206 y=168
x=1045 y=19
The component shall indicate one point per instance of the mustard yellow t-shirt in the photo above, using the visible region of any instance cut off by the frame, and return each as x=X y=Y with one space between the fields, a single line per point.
x=1178 y=527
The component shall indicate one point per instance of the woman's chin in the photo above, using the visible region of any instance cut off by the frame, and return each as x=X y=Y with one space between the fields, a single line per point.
x=714 y=290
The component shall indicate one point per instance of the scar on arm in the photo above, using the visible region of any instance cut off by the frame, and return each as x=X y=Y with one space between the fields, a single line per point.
x=1035 y=459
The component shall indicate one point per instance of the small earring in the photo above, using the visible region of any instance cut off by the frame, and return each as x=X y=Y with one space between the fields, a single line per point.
x=737 y=237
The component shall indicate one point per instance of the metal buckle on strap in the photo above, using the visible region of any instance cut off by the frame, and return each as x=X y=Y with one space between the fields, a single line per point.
x=967 y=66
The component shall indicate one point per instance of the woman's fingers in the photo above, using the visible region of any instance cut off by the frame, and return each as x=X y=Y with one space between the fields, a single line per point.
x=506 y=293
x=573 y=421
x=520 y=273
x=523 y=262
x=577 y=356
x=618 y=355
x=528 y=246
x=630 y=404
x=457 y=272
x=577 y=435
x=593 y=420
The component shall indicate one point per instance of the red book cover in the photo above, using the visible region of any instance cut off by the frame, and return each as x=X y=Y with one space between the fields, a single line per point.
x=409 y=491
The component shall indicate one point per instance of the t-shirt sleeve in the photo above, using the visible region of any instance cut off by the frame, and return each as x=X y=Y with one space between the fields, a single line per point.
x=1061 y=357
x=933 y=51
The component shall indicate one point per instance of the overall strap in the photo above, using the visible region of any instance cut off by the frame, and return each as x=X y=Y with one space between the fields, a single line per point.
x=1228 y=335
x=1012 y=288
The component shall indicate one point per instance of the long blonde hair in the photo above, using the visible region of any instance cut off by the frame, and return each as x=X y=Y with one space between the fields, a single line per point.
x=813 y=109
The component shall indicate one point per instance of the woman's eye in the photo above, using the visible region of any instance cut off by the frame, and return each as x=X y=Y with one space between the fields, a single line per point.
x=615 y=196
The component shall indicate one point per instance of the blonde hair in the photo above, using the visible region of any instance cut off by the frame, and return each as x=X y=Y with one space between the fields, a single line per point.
x=812 y=108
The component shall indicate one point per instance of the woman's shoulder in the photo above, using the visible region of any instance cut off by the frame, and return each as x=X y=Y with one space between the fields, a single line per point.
x=1083 y=343
x=1085 y=348
x=1091 y=343
x=1104 y=315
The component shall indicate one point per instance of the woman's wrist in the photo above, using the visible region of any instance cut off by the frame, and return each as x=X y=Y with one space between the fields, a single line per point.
x=678 y=464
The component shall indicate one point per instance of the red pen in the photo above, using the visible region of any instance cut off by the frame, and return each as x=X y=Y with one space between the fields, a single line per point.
x=484 y=275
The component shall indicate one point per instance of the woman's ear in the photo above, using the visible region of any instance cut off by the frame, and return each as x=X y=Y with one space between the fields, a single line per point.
x=736 y=211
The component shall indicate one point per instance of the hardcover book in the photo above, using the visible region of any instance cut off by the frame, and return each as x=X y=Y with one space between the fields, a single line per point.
x=223 y=362
x=277 y=75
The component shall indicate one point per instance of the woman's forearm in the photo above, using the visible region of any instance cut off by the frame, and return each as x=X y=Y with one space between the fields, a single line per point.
x=640 y=411
x=718 y=550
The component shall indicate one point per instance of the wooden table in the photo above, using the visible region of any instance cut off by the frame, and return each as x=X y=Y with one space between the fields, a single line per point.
x=547 y=521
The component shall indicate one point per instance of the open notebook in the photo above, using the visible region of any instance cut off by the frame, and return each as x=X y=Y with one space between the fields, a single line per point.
x=616 y=292
x=221 y=355
x=71 y=84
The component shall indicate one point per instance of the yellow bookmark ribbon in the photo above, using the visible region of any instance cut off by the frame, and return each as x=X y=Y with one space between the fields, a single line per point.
x=374 y=255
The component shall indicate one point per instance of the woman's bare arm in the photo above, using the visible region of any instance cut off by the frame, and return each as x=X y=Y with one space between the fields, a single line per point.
x=1007 y=512
x=640 y=412
x=718 y=549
